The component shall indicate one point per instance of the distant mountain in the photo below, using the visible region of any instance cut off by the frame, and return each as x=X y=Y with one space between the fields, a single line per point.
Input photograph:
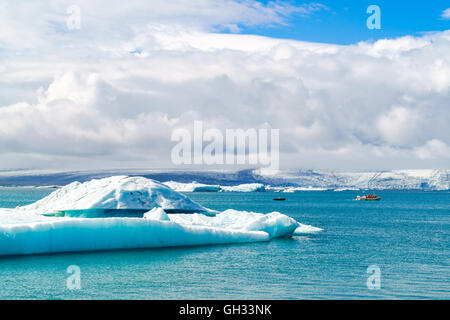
x=395 y=179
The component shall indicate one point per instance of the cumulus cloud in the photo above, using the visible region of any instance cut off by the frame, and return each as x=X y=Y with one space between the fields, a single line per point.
x=109 y=95
x=433 y=149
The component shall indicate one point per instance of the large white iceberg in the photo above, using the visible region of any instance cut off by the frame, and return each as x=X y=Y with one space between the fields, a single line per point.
x=118 y=192
x=27 y=230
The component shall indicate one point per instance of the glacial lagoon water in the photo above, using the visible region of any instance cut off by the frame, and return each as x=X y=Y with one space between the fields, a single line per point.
x=406 y=235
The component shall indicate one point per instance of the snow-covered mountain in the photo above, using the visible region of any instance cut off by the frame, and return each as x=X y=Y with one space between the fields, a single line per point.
x=299 y=179
x=395 y=179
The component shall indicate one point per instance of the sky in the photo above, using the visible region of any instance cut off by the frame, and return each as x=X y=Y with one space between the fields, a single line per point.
x=106 y=88
x=344 y=21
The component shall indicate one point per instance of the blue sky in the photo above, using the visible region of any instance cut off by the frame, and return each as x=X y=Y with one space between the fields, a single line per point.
x=344 y=22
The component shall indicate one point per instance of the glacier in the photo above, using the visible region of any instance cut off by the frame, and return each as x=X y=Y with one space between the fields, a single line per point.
x=426 y=179
x=30 y=229
x=301 y=180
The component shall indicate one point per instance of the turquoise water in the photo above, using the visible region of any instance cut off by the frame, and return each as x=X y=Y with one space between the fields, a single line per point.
x=406 y=234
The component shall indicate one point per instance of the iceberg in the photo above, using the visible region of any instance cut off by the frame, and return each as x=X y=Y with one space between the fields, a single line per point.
x=199 y=187
x=294 y=189
x=346 y=189
x=192 y=187
x=157 y=214
x=88 y=234
x=275 y=224
x=156 y=229
x=30 y=229
x=118 y=192
x=246 y=187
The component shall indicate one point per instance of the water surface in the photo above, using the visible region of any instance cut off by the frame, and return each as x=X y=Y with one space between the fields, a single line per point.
x=406 y=234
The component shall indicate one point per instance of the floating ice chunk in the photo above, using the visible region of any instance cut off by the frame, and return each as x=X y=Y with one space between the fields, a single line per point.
x=247 y=187
x=157 y=214
x=15 y=216
x=345 y=189
x=199 y=187
x=192 y=187
x=88 y=234
x=306 y=229
x=49 y=234
x=294 y=189
x=274 y=224
x=118 y=192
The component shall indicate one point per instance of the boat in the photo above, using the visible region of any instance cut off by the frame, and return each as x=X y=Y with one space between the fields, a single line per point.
x=370 y=197
x=279 y=199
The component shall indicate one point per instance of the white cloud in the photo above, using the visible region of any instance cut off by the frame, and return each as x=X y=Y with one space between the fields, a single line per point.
x=446 y=14
x=433 y=149
x=400 y=126
x=110 y=94
x=39 y=24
